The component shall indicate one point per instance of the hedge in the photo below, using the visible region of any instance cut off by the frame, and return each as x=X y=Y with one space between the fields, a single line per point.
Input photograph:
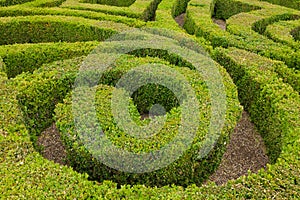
x=37 y=29
x=179 y=172
x=281 y=32
x=12 y=2
x=27 y=175
x=240 y=29
x=287 y=3
x=288 y=75
x=38 y=93
x=268 y=92
x=32 y=10
x=38 y=177
x=121 y=3
x=144 y=10
x=28 y=57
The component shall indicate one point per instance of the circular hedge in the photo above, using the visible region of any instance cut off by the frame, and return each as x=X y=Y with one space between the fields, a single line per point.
x=189 y=168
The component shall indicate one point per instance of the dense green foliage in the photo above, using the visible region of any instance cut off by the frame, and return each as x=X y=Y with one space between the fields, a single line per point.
x=111 y=2
x=259 y=50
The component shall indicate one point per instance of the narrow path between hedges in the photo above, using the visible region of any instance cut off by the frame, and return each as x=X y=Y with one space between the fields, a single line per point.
x=180 y=19
x=245 y=151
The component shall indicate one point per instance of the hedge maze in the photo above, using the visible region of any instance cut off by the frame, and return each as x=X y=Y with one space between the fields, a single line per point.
x=253 y=65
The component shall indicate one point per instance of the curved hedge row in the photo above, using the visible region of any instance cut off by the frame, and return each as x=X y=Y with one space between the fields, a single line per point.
x=41 y=29
x=121 y=3
x=13 y=2
x=184 y=171
x=144 y=10
x=240 y=27
x=287 y=3
x=38 y=29
x=282 y=32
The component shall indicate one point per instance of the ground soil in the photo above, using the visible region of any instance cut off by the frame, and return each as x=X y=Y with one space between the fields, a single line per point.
x=245 y=151
x=180 y=19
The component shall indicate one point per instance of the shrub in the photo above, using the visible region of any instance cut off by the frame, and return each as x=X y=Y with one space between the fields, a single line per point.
x=179 y=172
x=12 y=2
x=121 y=3
x=268 y=93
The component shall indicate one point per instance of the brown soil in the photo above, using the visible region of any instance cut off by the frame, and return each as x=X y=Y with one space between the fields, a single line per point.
x=220 y=22
x=245 y=151
x=52 y=146
x=180 y=19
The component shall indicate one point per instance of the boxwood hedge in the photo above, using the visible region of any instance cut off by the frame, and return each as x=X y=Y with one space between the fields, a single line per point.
x=121 y=3
x=12 y=2
x=274 y=108
x=243 y=29
x=187 y=169
x=282 y=31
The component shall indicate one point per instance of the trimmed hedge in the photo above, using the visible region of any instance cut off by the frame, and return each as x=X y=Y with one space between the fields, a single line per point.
x=38 y=93
x=240 y=29
x=121 y=3
x=30 y=10
x=13 y=2
x=144 y=10
x=26 y=175
x=287 y=3
x=288 y=75
x=226 y=9
x=264 y=105
x=179 y=172
x=282 y=32
x=28 y=57
x=36 y=29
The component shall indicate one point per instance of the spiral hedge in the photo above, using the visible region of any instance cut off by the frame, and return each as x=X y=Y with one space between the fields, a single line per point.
x=257 y=57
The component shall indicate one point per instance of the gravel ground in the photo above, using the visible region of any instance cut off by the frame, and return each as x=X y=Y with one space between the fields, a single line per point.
x=52 y=146
x=245 y=151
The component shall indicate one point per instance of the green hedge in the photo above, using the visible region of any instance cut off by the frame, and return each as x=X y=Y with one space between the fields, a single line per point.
x=179 y=172
x=121 y=3
x=226 y=9
x=287 y=3
x=268 y=93
x=13 y=2
x=50 y=29
x=179 y=7
x=28 y=57
x=140 y=9
x=281 y=32
x=31 y=9
x=240 y=29
x=288 y=75
x=27 y=175
x=38 y=93
x=37 y=177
